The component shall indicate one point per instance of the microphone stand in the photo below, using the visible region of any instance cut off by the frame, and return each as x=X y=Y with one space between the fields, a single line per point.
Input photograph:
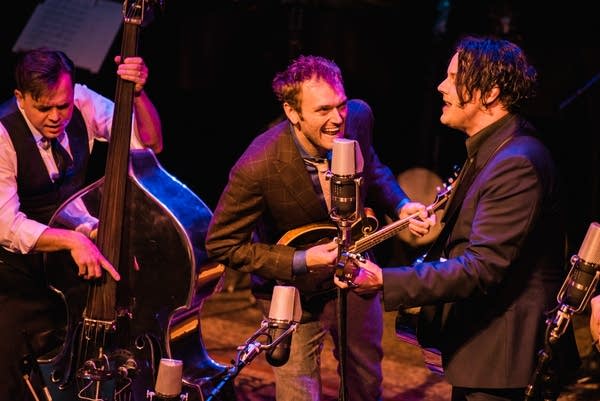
x=29 y=366
x=555 y=328
x=344 y=225
x=247 y=353
x=542 y=376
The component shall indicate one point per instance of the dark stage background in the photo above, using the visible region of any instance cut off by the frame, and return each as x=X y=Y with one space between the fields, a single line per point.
x=211 y=63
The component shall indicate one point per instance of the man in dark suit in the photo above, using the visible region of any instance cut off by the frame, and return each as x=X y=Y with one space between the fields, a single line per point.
x=495 y=270
x=274 y=188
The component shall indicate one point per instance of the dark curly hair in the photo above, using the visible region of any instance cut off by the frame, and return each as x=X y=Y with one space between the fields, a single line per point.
x=487 y=62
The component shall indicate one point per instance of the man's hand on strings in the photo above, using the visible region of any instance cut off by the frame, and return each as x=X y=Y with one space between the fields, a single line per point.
x=133 y=69
x=322 y=256
x=89 y=259
x=423 y=221
x=367 y=279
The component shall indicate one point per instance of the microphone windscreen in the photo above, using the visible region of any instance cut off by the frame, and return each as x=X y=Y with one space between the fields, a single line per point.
x=590 y=247
x=346 y=157
x=168 y=381
x=285 y=304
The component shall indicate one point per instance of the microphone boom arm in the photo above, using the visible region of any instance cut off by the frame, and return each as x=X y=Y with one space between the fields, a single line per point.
x=250 y=350
x=573 y=296
x=253 y=347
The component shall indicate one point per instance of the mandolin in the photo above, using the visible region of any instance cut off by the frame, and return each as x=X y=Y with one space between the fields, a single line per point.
x=365 y=233
x=365 y=236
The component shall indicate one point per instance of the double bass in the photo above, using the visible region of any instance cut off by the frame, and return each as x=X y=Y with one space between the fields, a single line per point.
x=152 y=229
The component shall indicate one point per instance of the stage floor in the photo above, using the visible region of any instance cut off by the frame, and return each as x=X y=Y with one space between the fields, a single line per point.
x=228 y=319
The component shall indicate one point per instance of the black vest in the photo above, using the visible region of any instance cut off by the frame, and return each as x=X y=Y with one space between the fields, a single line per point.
x=38 y=195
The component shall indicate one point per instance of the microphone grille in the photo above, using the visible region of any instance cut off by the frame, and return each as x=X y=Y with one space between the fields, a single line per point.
x=590 y=248
x=168 y=381
x=285 y=304
x=346 y=157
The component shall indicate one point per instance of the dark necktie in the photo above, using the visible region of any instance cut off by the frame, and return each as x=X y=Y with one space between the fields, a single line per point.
x=61 y=156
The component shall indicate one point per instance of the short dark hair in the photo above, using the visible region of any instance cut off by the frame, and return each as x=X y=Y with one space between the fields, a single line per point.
x=286 y=84
x=40 y=69
x=488 y=62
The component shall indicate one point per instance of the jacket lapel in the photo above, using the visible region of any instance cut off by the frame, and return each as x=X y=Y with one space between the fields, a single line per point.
x=294 y=177
x=467 y=177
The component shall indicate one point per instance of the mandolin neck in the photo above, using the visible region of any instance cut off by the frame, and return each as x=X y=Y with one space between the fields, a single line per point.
x=368 y=241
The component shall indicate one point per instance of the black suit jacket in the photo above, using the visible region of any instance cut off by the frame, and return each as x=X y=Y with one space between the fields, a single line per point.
x=505 y=251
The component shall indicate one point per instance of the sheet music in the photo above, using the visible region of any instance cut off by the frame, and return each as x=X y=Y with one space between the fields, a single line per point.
x=83 y=29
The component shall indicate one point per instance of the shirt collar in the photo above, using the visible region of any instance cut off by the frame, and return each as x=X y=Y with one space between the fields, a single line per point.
x=474 y=143
x=36 y=134
x=304 y=154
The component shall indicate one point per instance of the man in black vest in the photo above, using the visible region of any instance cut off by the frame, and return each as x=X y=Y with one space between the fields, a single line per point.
x=46 y=137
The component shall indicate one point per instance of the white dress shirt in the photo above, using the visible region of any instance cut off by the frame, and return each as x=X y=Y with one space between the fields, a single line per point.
x=17 y=232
